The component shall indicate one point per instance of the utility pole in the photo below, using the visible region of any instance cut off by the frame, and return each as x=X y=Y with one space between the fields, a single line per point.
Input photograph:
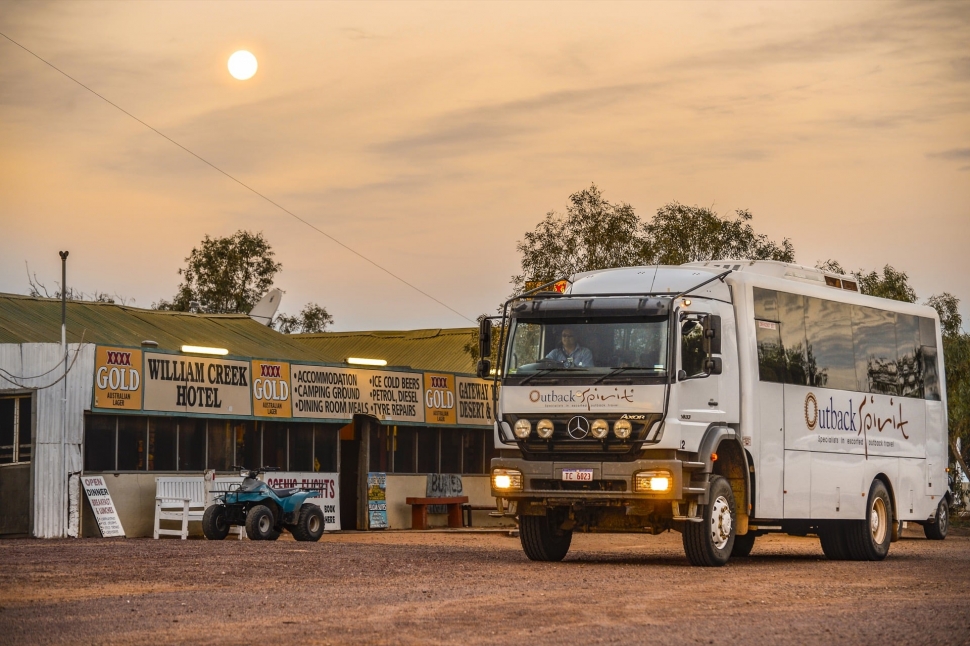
x=63 y=474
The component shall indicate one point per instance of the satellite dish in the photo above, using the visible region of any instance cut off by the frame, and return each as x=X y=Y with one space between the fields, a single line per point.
x=264 y=311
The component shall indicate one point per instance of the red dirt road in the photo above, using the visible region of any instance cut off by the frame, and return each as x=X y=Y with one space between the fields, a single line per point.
x=472 y=588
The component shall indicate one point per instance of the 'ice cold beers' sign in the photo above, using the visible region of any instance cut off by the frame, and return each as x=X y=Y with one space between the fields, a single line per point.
x=180 y=384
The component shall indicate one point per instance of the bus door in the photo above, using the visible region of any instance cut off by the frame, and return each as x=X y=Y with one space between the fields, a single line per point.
x=699 y=373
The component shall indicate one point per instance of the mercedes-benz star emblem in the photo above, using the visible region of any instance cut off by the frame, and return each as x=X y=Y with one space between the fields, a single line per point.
x=578 y=427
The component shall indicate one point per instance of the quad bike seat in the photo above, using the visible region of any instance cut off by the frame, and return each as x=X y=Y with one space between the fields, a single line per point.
x=285 y=493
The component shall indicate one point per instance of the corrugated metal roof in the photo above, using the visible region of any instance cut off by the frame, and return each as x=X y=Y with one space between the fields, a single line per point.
x=439 y=349
x=24 y=319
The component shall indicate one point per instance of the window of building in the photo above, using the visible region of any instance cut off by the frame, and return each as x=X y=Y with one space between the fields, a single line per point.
x=380 y=453
x=325 y=447
x=301 y=447
x=162 y=444
x=274 y=445
x=99 y=442
x=405 y=449
x=473 y=451
x=427 y=450
x=220 y=455
x=191 y=444
x=132 y=440
x=451 y=445
x=15 y=424
x=248 y=445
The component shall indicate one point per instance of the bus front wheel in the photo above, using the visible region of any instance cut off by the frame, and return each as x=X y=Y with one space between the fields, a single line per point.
x=709 y=543
x=543 y=539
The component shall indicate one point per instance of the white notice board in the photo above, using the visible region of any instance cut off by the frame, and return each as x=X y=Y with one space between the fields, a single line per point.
x=104 y=509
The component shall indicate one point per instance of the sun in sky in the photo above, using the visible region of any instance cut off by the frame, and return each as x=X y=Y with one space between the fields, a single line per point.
x=242 y=65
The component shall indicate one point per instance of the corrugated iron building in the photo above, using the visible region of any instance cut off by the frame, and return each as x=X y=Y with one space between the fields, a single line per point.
x=40 y=447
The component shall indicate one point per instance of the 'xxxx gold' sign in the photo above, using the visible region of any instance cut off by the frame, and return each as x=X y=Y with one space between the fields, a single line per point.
x=271 y=389
x=117 y=378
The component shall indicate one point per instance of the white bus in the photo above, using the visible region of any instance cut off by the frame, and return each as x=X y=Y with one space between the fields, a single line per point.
x=724 y=400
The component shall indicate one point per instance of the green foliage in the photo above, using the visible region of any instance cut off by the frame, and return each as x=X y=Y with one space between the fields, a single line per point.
x=679 y=234
x=225 y=275
x=597 y=234
x=948 y=307
x=311 y=319
x=891 y=283
x=593 y=234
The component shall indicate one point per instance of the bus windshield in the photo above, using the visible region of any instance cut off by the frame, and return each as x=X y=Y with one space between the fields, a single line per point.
x=588 y=347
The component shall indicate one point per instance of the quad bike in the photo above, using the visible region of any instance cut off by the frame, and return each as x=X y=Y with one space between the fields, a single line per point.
x=264 y=512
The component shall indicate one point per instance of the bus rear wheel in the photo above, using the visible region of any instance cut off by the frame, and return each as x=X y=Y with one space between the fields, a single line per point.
x=542 y=539
x=743 y=544
x=868 y=540
x=710 y=542
x=936 y=531
x=832 y=538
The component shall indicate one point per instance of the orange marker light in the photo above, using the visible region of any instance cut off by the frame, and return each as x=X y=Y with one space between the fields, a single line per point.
x=713 y=457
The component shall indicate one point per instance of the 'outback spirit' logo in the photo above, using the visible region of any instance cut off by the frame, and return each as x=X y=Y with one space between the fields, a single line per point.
x=589 y=397
x=854 y=419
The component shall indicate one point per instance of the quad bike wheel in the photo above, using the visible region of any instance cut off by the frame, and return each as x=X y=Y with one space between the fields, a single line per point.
x=259 y=524
x=309 y=526
x=215 y=526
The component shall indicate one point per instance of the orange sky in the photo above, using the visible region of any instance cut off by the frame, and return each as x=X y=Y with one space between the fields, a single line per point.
x=431 y=136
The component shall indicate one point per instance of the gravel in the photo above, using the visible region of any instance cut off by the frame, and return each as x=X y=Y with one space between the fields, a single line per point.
x=475 y=587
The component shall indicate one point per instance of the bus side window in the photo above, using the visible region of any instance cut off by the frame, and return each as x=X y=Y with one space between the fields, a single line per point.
x=771 y=356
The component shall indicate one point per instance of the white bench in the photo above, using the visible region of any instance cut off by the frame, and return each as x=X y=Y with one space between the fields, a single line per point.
x=184 y=499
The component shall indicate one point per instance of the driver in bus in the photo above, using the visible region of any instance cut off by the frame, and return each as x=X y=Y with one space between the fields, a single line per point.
x=570 y=353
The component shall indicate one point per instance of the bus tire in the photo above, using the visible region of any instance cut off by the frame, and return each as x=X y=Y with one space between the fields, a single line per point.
x=869 y=539
x=832 y=538
x=743 y=544
x=542 y=539
x=709 y=543
x=936 y=530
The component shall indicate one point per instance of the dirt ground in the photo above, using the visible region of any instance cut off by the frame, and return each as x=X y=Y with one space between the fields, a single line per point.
x=476 y=587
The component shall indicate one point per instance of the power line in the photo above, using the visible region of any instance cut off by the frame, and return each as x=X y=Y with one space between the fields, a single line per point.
x=240 y=182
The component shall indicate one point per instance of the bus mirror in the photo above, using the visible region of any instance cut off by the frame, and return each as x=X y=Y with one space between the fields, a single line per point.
x=484 y=369
x=485 y=338
x=713 y=366
x=712 y=330
x=681 y=375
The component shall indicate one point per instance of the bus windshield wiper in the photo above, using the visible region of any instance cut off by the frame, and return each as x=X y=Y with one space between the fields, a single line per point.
x=617 y=371
x=535 y=374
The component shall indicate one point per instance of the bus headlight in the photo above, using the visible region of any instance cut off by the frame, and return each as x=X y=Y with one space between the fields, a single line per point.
x=653 y=481
x=522 y=429
x=622 y=429
x=506 y=480
x=544 y=428
x=599 y=429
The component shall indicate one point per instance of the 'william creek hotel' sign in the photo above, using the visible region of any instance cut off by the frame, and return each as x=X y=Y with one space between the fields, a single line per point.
x=127 y=379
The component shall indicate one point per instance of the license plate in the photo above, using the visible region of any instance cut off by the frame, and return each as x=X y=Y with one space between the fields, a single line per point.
x=577 y=475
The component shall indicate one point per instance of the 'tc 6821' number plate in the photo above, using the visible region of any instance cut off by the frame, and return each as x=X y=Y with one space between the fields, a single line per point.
x=577 y=475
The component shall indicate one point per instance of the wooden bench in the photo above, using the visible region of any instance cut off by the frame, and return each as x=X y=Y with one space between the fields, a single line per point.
x=419 y=510
x=184 y=499
x=468 y=508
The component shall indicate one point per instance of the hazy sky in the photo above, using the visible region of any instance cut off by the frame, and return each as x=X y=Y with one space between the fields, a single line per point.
x=431 y=136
